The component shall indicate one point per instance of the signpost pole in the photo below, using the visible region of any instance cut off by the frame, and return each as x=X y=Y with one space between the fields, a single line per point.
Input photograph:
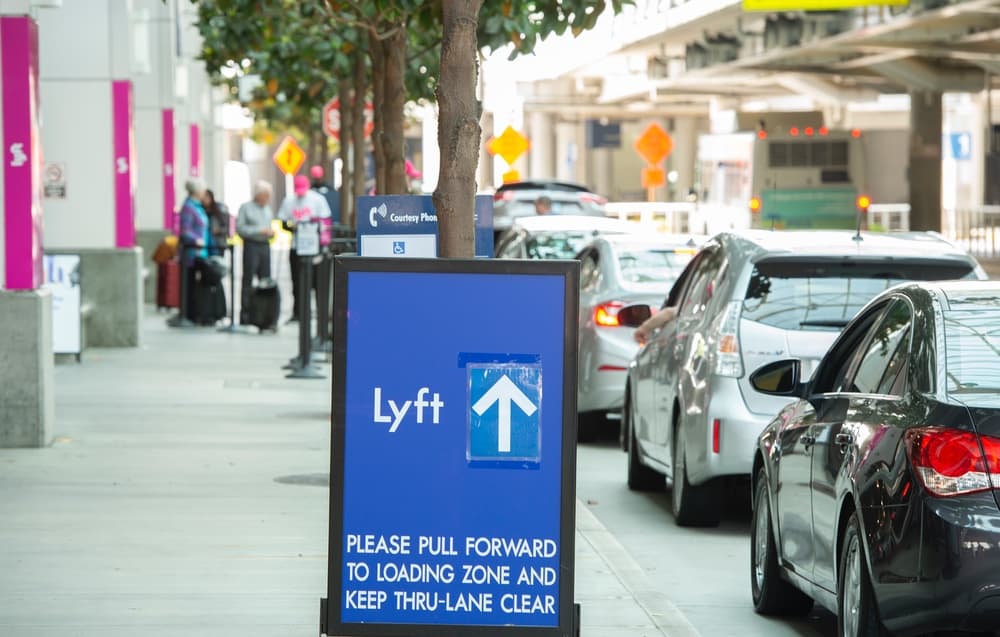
x=302 y=366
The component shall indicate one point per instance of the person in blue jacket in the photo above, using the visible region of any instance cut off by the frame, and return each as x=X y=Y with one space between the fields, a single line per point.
x=195 y=237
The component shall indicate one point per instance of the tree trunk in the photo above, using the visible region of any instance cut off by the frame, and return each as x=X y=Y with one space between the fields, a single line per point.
x=377 y=56
x=393 y=139
x=358 y=126
x=458 y=130
x=346 y=165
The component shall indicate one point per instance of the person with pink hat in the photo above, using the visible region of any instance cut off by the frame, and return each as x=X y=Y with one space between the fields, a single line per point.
x=303 y=205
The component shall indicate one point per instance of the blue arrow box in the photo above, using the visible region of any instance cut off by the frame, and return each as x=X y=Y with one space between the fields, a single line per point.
x=505 y=407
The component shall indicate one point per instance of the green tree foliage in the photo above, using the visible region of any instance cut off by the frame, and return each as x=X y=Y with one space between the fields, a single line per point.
x=292 y=46
x=523 y=23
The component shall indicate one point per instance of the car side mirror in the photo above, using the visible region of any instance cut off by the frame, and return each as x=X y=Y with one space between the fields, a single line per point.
x=780 y=378
x=634 y=315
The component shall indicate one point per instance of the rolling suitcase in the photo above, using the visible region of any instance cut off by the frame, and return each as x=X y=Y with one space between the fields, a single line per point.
x=265 y=305
x=168 y=283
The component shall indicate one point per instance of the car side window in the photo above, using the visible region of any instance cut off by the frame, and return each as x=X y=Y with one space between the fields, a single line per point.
x=512 y=248
x=590 y=271
x=840 y=359
x=703 y=284
x=885 y=356
x=677 y=290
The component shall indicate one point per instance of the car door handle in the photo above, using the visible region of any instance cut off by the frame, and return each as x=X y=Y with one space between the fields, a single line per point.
x=843 y=439
x=808 y=440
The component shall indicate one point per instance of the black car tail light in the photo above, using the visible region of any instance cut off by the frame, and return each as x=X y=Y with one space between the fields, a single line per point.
x=951 y=461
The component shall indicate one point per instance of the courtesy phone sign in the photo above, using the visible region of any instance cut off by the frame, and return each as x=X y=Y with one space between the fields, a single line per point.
x=453 y=452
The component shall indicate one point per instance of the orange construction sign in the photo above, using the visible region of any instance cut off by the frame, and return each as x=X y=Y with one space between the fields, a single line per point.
x=654 y=144
x=653 y=177
x=289 y=156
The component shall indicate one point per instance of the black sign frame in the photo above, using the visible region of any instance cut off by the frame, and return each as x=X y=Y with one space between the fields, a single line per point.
x=569 y=611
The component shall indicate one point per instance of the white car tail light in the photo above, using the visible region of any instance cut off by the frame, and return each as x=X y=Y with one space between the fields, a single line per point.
x=728 y=361
x=951 y=461
x=606 y=314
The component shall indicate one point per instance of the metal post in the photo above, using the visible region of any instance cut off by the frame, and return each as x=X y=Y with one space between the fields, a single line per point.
x=305 y=368
x=322 y=341
x=232 y=290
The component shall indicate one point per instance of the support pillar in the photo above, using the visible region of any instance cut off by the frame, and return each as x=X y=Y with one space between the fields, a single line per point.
x=542 y=154
x=925 y=160
x=27 y=409
x=567 y=151
x=684 y=156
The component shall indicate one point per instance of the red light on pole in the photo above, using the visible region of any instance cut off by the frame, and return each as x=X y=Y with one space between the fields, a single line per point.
x=855 y=133
x=762 y=134
x=794 y=131
x=824 y=131
x=810 y=131
x=864 y=201
x=755 y=205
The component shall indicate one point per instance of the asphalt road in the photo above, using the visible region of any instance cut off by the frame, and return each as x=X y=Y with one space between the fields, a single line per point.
x=704 y=572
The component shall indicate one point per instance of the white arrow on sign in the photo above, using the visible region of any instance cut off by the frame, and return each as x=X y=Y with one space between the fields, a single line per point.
x=504 y=392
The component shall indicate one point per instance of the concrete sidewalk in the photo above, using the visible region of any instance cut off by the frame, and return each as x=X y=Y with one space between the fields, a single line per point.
x=186 y=494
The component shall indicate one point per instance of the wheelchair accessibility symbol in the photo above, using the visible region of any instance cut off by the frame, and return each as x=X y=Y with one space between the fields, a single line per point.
x=399 y=247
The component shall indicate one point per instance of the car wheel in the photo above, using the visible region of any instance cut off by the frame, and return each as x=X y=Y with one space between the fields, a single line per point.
x=771 y=594
x=856 y=612
x=588 y=424
x=692 y=505
x=640 y=477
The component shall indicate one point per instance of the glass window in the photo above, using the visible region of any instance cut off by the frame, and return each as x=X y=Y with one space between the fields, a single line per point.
x=832 y=374
x=886 y=354
x=590 y=272
x=802 y=294
x=703 y=284
x=651 y=266
x=972 y=353
x=557 y=245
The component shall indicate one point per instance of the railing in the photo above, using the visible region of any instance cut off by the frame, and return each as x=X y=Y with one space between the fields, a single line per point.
x=976 y=230
x=681 y=217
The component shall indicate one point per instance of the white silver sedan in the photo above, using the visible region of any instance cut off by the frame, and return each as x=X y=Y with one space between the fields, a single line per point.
x=619 y=274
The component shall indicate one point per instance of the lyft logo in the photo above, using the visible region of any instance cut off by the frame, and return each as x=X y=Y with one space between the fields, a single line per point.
x=396 y=412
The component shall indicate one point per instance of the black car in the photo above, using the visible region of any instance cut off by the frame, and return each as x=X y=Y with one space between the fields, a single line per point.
x=876 y=492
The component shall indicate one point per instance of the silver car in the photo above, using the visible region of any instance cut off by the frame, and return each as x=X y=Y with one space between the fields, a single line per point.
x=745 y=300
x=515 y=200
x=620 y=276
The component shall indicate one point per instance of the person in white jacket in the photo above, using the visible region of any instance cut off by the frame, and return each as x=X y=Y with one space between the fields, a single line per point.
x=303 y=205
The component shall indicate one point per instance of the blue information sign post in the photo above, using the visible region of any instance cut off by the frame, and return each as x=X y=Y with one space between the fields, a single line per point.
x=407 y=226
x=453 y=452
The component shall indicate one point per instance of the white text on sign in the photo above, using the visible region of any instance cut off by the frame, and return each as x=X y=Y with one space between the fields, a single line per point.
x=399 y=411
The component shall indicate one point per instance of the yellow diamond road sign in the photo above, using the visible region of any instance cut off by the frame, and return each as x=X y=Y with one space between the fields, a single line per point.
x=816 y=5
x=510 y=145
x=289 y=156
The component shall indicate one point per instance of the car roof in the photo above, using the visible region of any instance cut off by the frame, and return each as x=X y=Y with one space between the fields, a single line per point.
x=846 y=243
x=543 y=184
x=557 y=223
x=654 y=240
x=965 y=294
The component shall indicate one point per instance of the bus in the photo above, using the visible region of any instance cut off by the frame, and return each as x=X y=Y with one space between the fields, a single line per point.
x=785 y=177
x=810 y=177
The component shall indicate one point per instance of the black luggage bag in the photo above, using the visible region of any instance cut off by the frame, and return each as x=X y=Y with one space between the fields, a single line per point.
x=265 y=305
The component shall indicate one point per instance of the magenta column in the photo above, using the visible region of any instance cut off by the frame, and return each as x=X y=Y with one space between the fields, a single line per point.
x=194 y=137
x=124 y=168
x=169 y=190
x=22 y=153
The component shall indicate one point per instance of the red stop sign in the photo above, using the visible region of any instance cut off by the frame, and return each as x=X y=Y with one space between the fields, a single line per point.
x=331 y=118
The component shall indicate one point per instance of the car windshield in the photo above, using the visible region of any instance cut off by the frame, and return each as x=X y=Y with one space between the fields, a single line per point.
x=527 y=208
x=648 y=265
x=557 y=245
x=972 y=352
x=824 y=294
